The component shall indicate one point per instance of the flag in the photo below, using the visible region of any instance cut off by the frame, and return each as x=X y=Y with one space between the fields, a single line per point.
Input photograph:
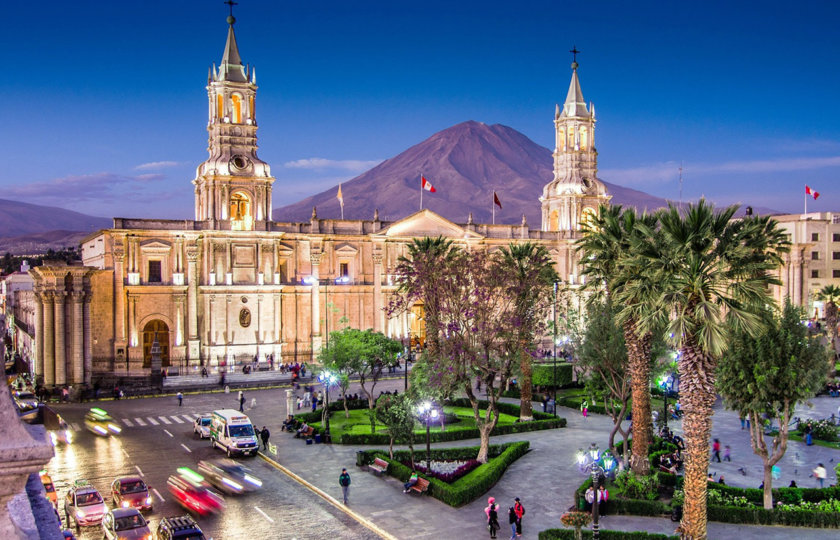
x=339 y=196
x=812 y=193
x=425 y=184
x=496 y=200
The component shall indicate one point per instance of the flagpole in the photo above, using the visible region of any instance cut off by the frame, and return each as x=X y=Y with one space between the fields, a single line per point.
x=493 y=207
x=806 y=202
x=421 y=191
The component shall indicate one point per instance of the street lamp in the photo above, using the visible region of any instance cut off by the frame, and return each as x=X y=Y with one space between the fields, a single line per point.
x=554 y=369
x=594 y=463
x=327 y=378
x=428 y=412
x=666 y=383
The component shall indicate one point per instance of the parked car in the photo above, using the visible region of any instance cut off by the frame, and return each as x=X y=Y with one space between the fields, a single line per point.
x=201 y=426
x=178 y=528
x=131 y=492
x=126 y=523
x=84 y=505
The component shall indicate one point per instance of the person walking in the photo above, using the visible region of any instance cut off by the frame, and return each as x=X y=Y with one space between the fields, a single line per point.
x=716 y=450
x=492 y=517
x=344 y=482
x=512 y=520
x=264 y=435
x=180 y=397
x=603 y=497
x=727 y=453
x=584 y=408
x=808 y=434
x=520 y=513
x=820 y=474
x=241 y=401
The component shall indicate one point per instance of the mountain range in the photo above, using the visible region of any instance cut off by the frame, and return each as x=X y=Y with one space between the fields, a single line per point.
x=466 y=163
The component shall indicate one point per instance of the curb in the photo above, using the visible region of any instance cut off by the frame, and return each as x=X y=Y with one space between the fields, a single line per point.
x=355 y=515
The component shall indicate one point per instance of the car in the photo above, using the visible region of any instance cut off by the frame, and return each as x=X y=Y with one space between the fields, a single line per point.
x=57 y=428
x=126 y=523
x=193 y=493
x=178 y=528
x=25 y=401
x=49 y=488
x=131 y=492
x=201 y=426
x=101 y=423
x=228 y=476
x=84 y=505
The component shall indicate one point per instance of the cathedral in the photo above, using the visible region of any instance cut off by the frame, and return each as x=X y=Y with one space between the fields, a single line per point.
x=238 y=284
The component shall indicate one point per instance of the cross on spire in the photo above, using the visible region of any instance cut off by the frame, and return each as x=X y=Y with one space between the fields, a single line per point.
x=231 y=3
x=574 y=52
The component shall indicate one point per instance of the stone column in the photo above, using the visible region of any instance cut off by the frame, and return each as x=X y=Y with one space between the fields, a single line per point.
x=797 y=279
x=39 y=335
x=192 y=293
x=77 y=350
x=119 y=293
x=88 y=353
x=290 y=401
x=316 y=299
x=60 y=348
x=378 y=314
x=49 y=339
x=277 y=327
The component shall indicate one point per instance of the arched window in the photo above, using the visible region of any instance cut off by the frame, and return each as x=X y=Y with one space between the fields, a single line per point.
x=553 y=219
x=240 y=212
x=220 y=106
x=236 y=101
x=584 y=138
x=563 y=138
x=588 y=216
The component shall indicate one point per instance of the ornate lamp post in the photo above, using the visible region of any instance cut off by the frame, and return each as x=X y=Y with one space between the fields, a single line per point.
x=428 y=412
x=594 y=463
x=554 y=369
x=328 y=379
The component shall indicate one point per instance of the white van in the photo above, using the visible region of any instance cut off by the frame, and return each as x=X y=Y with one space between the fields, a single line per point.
x=233 y=432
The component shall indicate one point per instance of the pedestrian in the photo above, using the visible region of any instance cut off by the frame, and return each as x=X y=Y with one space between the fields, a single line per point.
x=589 y=498
x=344 y=482
x=584 y=408
x=603 y=497
x=253 y=403
x=492 y=517
x=808 y=434
x=512 y=520
x=314 y=402
x=716 y=450
x=520 y=513
x=264 y=435
x=180 y=397
x=820 y=474
x=727 y=453
x=117 y=392
x=241 y=401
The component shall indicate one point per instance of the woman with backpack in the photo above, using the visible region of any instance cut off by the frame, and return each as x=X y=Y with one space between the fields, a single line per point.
x=492 y=517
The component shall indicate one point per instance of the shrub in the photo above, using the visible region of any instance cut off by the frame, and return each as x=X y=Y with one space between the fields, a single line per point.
x=823 y=430
x=634 y=486
x=568 y=534
x=543 y=375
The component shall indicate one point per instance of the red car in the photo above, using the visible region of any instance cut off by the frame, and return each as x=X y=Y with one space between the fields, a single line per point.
x=131 y=492
x=193 y=493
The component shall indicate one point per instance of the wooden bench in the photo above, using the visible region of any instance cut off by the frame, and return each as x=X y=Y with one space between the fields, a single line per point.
x=378 y=466
x=421 y=486
x=305 y=434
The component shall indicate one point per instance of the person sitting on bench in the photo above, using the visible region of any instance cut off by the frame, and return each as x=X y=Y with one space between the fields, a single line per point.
x=301 y=430
x=411 y=482
x=288 y=423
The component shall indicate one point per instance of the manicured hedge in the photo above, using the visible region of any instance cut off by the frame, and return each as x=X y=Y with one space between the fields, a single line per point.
x=543 y=375
x=463 y=490
x=569 y=534
x=541 y=421
x=761 y=516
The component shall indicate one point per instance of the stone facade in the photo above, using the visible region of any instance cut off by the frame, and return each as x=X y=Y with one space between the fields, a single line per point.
x=235 y=285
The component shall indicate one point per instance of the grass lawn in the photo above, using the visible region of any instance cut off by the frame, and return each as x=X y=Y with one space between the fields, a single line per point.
x=359 y=422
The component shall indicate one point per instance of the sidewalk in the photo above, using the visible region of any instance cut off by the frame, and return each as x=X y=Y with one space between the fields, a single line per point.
x=544 y=479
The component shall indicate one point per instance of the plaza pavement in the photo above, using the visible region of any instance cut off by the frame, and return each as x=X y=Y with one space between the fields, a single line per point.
x=545 y=478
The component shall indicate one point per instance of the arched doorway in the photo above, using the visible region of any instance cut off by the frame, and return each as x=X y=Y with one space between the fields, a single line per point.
x=152 y=328
x=240 y=212
x=417 y=321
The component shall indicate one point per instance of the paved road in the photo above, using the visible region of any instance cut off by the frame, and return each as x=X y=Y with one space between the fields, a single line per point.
x=157 y=438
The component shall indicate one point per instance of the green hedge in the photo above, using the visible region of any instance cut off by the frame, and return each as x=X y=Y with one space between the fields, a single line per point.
x=543 y=375
x=569 y=534
x=467 y=488
x=761 y=516
x=541 y=421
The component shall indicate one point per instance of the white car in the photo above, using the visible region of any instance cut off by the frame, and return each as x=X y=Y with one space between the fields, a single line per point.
x=201 y=426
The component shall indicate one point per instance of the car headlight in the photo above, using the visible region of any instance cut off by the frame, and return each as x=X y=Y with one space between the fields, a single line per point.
x=149 y=500
x=232 y=484
x=100 y=430
x=68 y=436
x=53 y=438
x=256 y=481
x=114 y=428
x=80 y=514
x=125 y=504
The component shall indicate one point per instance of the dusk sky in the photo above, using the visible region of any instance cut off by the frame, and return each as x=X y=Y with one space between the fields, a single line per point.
x=106 y=109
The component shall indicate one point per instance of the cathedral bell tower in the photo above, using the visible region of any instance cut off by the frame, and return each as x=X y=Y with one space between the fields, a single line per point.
x=575 y=192
x=233 y=187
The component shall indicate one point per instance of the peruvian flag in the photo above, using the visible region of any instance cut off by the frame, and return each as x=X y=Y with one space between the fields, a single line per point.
x=425 y=184
x=496 y=200
x=812 y=193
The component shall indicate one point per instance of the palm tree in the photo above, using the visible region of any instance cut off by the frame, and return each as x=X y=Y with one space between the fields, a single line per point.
x=714 y=272
x=606 y=243
x=425 y=255
x=830 y=294
x=531 y=275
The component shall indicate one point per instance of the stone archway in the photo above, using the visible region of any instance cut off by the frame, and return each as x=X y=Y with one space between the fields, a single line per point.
x=152 y=328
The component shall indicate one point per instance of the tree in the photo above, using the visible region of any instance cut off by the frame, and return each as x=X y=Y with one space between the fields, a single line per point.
x=830 y=294
x=338 y=358
x=396 y=412
x=530 y=277
x=603 y=357
x=770 y=374
x=715 y=274
x=609 y=263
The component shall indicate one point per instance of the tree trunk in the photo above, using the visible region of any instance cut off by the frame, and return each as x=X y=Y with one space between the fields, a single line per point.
x=526 y=414
x=391 y=447
x=371 y=414
x=484 y=447
x=344 y=396
x=638 y=356
x=768 y=486
x=697 y=391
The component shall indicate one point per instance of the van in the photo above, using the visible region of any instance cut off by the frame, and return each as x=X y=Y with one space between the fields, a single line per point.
x=233 y=432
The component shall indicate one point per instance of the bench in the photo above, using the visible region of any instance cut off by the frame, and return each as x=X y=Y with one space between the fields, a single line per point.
x=421 y=486
x=379 y=466
x=305 y=434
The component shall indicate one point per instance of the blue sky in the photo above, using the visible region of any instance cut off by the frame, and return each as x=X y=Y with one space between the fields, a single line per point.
x=105 y=106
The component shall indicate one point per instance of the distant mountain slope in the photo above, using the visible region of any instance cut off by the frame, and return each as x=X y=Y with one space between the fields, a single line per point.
x=18 y=218
x=465 y=163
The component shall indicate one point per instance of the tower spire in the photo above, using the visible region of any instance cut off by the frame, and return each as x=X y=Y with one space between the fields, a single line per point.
x=575 y=105
x=231 y=68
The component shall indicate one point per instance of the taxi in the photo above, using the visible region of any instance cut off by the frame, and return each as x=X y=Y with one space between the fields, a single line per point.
x=49 y=488
x=84 y=505
x=100 y=422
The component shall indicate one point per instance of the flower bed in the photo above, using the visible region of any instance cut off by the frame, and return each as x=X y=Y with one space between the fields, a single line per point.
x=448 y=471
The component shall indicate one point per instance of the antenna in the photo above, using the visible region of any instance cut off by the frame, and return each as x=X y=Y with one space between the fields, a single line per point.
x=681 y=182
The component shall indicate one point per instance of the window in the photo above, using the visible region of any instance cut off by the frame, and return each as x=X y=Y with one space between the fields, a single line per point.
x=835 y=274
x=815 y=237
x=154 y=272
x=815 y=255
x=835 y=237
x=836 y=255
x=344 y=269
x=815 y=274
